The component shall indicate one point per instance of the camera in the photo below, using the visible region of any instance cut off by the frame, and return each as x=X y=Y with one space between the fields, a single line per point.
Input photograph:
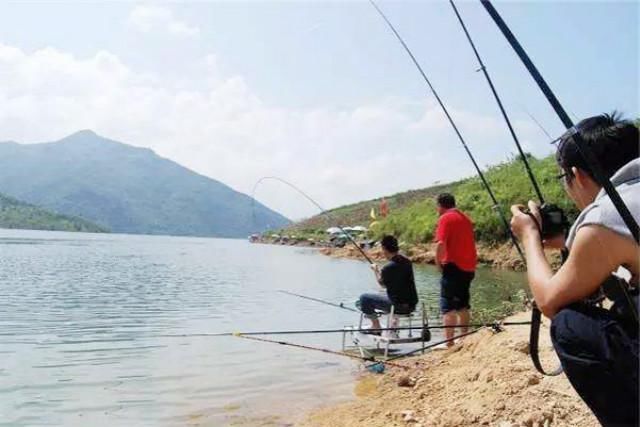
x=554 y=221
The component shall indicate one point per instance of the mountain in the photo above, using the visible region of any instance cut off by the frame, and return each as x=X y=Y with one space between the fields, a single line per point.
x=127 y=189
x=17 y=214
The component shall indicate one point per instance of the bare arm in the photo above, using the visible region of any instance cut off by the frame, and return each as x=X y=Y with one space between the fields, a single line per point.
x=440 y=251
x=378 y=273
x=596 y=252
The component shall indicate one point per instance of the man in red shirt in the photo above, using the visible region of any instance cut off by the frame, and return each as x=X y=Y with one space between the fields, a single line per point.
x=456 y=258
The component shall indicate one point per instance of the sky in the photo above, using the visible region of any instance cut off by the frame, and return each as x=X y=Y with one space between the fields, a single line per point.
x=318 y=93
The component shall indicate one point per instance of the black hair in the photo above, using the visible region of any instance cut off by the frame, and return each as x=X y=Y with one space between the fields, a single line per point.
x=613 y=140
x=390 y=243
x=446 y=200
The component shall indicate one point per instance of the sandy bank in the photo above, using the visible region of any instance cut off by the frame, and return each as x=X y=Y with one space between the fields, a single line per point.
x=486 y=380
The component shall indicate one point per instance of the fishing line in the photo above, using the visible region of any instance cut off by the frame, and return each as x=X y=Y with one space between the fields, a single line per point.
x=316 y=204
x=483 y=68
x=551 y=139
x=496 y=205
x=341 y=305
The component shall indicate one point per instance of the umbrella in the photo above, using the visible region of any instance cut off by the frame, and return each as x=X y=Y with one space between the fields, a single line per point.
x=333 y=230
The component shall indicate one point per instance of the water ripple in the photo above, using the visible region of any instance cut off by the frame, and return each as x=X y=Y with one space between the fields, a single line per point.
x=84 y=321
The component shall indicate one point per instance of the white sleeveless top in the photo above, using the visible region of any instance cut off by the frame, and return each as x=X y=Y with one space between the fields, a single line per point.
x=602 y=211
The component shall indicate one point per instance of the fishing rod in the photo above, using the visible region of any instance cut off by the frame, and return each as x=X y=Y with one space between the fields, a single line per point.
x=547 y=216
x=496 y=205
x=322 y=210
x=319 y=300
x=391 y=359
x=373 y=367
x=584 y=149
x=586 y=153
x=340 y=330
x=483 y=68
x=554 y=221
x=378 y=365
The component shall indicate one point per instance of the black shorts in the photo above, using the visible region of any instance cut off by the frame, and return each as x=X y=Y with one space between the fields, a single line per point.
x=454 y=288
x=600 y=356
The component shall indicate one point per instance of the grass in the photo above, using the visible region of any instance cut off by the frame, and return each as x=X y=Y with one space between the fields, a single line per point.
x=413 y=216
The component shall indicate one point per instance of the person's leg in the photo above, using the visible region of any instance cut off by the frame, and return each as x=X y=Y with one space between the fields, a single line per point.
x=447 y=302
x=369 y=303
x=449 y=318
x=464 y=316
x=463 y=320
x=600 y=358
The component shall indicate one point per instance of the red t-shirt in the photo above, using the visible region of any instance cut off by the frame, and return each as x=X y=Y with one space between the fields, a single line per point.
x=455 y=230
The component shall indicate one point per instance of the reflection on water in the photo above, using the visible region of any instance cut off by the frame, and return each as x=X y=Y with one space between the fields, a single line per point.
x=84 y=319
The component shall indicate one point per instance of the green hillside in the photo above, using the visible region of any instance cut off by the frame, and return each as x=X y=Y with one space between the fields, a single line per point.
x=17 y=214
x=413 y=217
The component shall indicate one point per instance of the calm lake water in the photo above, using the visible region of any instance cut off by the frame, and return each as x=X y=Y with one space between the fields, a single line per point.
x=82 y=319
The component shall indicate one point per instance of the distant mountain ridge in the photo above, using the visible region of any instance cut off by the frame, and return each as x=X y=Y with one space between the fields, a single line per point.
x=17 y=214
x=127 y=189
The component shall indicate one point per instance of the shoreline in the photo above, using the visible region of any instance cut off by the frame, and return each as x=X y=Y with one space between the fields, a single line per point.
x=499 y=255
x=486 y=379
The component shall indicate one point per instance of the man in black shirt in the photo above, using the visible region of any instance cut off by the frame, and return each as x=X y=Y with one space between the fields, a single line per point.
x=397 y=278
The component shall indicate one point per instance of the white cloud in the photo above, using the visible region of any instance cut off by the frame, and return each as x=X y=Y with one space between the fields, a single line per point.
x=225 y=130
x=148 y=18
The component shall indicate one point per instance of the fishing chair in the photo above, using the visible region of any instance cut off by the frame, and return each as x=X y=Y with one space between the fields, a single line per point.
x=397 y=320
x=391 y=337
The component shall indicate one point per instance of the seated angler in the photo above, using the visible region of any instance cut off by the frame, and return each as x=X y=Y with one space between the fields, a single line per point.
x=598 y=347
x=397 y=278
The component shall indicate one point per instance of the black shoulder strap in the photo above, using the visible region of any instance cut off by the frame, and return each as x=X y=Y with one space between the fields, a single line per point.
x=534 y=336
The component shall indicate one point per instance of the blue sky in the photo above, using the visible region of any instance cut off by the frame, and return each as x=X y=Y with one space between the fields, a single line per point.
x=319 y=93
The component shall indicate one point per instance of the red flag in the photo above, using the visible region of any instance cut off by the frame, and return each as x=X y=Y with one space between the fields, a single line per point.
x=384 y=208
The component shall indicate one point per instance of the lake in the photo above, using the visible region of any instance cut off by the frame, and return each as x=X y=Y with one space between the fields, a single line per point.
x=84 y=320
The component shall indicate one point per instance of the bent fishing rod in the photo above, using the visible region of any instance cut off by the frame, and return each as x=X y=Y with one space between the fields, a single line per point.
x=316 y=204
x=496 y=205
x=584 y=149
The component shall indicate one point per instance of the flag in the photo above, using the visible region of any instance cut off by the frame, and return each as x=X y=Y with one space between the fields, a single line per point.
x=384 y=208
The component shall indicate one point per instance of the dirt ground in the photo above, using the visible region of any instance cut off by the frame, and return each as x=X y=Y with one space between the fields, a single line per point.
x=487 y=379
